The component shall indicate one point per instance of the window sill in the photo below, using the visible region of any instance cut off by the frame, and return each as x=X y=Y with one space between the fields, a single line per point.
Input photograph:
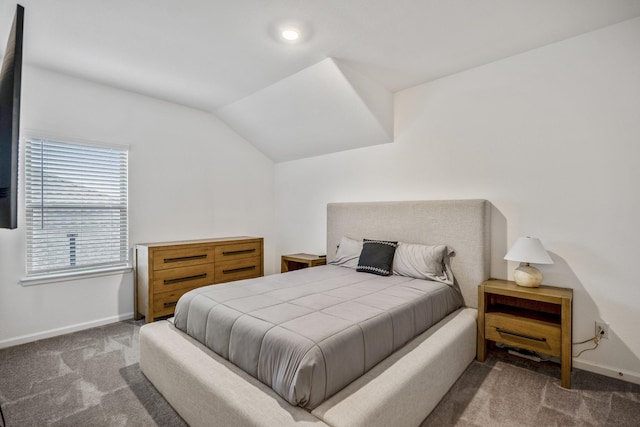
x=74 y=275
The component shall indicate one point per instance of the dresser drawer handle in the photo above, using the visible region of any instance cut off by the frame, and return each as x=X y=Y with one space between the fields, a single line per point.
x=170 y=304
x=236 y=270
x=185 y=258
x=240 y=252
x=184 y=279
x=503 y=331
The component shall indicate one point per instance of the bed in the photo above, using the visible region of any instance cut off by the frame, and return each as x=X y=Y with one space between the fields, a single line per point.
x=402 y=389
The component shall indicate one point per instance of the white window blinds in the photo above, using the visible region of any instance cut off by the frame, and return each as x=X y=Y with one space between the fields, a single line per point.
x=76 y=206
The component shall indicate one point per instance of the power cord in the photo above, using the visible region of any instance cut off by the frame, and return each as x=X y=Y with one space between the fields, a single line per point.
x=596 y=340
x=2 y=417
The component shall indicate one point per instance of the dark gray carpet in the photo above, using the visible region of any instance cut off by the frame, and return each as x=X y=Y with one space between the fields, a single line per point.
x=92 y=378
x=88 y=378
x=510 y=391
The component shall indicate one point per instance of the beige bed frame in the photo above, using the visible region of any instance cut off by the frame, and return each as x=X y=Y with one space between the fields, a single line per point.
x=402 y=390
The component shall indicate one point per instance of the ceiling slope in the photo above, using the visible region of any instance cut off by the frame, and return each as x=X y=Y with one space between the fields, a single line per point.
x=322 y=109
x=213 y=55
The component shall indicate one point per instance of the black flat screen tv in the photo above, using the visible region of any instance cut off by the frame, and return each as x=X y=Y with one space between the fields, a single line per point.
x=10 y=81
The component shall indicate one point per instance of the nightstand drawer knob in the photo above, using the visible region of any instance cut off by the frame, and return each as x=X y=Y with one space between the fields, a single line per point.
x=504 y=331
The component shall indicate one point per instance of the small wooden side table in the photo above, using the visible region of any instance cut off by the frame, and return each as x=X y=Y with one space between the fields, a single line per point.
x=535 y=319
x=298 y=261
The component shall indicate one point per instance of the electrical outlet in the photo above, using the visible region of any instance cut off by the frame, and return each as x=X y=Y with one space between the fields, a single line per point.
x=601 y=326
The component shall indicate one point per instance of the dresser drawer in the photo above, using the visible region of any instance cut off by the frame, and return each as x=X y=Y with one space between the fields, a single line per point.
x=183 y=277
x=527 y=333
x=182 y=257
x=244 y=268
x=164 y=303
x=237 y=251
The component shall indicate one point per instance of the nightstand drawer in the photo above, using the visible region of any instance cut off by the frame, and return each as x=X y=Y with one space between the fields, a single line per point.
x=183 y=277
x=530 y=334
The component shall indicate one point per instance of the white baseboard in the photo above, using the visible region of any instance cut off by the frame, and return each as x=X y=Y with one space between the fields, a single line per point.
x=607 y=371
x=10 y=342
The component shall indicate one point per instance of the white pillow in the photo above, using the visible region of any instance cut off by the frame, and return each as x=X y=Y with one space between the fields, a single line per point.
x=423 y=262
x=348 y=253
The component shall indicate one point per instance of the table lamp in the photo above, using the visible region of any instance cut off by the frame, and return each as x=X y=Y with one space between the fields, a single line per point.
x=528 y=250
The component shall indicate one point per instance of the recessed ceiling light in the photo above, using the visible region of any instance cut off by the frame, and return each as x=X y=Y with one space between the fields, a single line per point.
x=290 y=34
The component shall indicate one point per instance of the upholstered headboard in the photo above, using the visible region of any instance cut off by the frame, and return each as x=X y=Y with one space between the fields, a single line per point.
x=463 y=225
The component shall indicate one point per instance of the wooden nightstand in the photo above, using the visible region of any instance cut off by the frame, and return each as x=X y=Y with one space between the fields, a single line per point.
x=298 y=261
x=535 y=319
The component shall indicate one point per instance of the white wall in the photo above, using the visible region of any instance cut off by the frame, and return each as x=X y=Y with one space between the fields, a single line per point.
x=190 y=177
x=551 y=137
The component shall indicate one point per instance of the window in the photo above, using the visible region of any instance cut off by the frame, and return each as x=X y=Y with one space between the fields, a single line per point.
x=76 y=207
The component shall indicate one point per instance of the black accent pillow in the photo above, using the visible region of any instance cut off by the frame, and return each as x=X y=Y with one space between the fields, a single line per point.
x=377 y=257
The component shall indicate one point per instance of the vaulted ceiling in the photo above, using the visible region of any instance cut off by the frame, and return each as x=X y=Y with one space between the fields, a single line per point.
x=226 y=56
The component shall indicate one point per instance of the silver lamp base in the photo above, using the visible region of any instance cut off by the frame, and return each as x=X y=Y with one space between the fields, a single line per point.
x=527 y=276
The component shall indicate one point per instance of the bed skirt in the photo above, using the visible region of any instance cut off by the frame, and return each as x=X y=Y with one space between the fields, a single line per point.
x=207 y=390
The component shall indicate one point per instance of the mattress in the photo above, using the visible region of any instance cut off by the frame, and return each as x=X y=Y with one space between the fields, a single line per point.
x=309 y=333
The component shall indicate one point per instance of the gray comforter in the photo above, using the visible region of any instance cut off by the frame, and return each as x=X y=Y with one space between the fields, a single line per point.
x=309 y=333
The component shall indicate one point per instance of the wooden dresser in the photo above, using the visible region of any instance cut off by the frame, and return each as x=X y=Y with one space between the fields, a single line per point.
x=165 y=271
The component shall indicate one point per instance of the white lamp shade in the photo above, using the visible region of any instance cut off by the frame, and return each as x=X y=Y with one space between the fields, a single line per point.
x=530 y=250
